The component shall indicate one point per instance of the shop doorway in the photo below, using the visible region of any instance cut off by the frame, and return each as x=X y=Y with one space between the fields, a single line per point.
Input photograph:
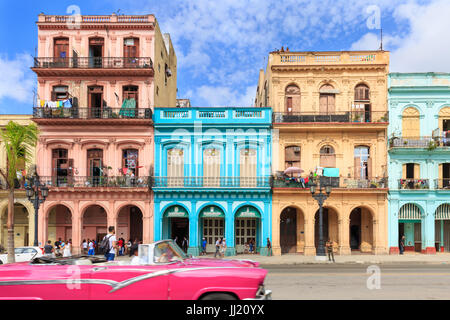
x=288 y=230
x=179 y=228
x=355 y=229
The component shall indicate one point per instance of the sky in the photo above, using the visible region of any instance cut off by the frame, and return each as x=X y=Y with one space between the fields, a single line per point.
x=222 y=45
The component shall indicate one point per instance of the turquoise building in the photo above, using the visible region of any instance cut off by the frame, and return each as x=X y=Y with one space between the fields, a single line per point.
x=212 y=177
x=419 y=161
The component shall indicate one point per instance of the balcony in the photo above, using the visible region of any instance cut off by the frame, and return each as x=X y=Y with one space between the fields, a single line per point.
x=442 y=184
x=429 y=143
x=413 y=184
x=82 y=66
x=103 y=115
x=96 y=182
x=353 y=117
x=211 y=182
x=335 y=182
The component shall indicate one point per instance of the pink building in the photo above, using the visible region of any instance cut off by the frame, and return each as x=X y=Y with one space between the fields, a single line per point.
x=98 y=82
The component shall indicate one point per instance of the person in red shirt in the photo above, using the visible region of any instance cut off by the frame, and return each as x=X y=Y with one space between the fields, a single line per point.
x=120 y=243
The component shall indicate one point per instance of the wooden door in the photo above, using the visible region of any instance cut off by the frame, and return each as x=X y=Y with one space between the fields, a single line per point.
x=288 y=231
x=61 y=52
x=131 y=51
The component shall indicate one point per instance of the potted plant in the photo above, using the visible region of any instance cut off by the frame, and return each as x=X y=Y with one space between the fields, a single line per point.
x=432 y=145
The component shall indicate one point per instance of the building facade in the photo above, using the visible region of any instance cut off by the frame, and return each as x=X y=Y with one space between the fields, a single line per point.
x=23 y=209
x=98 y=83
x=212 y=176
x=330 y=118
x=419 y=161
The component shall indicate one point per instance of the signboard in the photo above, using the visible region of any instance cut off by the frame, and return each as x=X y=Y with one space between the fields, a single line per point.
x=212 y=212
x=247 y=212
x=176 y=212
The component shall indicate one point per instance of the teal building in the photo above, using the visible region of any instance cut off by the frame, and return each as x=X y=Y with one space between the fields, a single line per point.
x=212 y=177
x=419 y=161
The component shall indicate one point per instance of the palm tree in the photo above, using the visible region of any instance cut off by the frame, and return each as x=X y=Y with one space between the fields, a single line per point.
x=19 y=142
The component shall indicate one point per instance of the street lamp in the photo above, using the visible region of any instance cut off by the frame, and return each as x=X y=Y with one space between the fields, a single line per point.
x=33 y=191
x=320 y=197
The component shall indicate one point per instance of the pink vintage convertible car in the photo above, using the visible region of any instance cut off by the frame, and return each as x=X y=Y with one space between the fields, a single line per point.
x=161 y=271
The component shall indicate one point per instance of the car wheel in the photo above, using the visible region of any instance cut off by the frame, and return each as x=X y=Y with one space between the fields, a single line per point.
x=218 y=296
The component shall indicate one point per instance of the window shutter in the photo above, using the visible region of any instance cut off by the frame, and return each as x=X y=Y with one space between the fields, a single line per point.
x=54 y=166
x=357 y=168
x=369 y=168
x=416 y=171
x=404 y=171
x=323 y=101
x=441 y=172
x=71 y=170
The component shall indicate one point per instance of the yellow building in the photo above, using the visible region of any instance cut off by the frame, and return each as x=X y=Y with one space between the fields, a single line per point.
x=330 y=117
x=23 y=209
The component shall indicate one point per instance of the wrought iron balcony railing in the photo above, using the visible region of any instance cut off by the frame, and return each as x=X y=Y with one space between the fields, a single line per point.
x=342 y=116
x=93 y=62
x=442 y=184
x=92 y=113
x=413 y=184
x=335 y=182
x=211 y=182
x=419 y=142
x=96 y=182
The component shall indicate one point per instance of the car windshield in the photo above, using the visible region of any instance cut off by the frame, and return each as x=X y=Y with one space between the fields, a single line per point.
x=168 y=251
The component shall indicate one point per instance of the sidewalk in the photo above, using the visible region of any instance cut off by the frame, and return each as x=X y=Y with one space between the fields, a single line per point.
x=292 y=259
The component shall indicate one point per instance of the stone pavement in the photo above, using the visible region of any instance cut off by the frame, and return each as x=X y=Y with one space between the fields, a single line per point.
x=292 y=259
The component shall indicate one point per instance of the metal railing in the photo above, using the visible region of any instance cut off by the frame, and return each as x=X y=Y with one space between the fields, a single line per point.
x=92 y=113
x=442 y=184
x=335 y=182
x=96 y=182
x=343 y=116
x=413 y=184
x=93 y=62
x=211 y=182
x=419 y=142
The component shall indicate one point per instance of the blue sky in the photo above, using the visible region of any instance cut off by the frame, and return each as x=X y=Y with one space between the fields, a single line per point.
x=221 y=45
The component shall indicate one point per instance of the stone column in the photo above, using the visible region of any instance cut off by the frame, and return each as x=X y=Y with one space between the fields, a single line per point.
x=147 y=223
x=276 y=248
x=77 y=225
x=229 y=230
x=310 y=248
x=428 y=243
x=344 y=239
x=393 y=235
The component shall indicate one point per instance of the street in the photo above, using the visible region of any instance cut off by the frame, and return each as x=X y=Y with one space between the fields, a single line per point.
x=337 y=281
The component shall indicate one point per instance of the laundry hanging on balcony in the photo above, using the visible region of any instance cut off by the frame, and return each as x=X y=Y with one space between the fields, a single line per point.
x=55 y=104
x=128 y=108
x=331 y=172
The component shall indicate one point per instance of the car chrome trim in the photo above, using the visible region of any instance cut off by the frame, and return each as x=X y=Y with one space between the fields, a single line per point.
x=266 y=296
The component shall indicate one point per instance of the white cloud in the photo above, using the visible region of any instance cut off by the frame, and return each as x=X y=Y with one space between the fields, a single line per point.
x=17 y=80
x=425 y=47
x=219 y=96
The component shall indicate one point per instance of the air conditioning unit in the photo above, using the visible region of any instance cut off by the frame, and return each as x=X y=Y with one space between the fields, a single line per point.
x=296 y=149
x=168 y=72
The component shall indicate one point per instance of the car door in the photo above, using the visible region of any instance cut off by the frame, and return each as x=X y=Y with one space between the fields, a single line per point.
x=18 y=252
x=28 y=254
x=128 y=282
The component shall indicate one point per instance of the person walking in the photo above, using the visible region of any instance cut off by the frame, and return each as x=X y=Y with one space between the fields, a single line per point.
x=84 y=246
x=330 y=252
x=111 y=244
x=120 y=243
x=185 y=244
x=48 y=249
x=203 y=247
x=251 y=244
x=402 y=244
x=269 y=248
x=67 y=249
x=223 y=247
x=218 y=245
x=91 y=251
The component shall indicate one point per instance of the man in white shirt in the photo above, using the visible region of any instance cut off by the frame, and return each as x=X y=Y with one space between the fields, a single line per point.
x=112 y=244
x=91 y=251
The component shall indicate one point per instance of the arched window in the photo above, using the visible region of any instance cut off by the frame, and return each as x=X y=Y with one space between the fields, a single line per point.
x=292 y=99
x=411 y=123
x=444 y=125
x=247 y=162
x=175 y=167
x=327 y=157
x=327 y=100
x=292 y=156
x=363 y=163
x=361 y=106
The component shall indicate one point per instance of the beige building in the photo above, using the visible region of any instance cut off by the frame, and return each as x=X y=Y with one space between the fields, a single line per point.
x=330 y=117
x=23 y=209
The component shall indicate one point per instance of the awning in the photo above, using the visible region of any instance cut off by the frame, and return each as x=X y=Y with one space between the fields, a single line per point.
x=409 y=212
x=212 y=212
x=176 y=212
x=443 y=212
x=248 y=212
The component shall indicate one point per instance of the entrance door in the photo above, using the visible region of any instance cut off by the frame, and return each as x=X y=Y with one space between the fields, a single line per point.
x=355 y=229
x=213 y=229
x=179 y=229
x=61 y=52
x=447 y=235
x=95 y=101
x=418 y=237
x=245 y=231
x=96 y=52
x=131 y=51
x=95 y=159
x=288 y=231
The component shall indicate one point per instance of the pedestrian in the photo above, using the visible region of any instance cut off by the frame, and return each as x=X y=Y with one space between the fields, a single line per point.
x=203 y=247
x=67 y=249
x=85 y=246
x=134 y=247
x=129 y=243
x=269 y=247
x=111 y=244
x=329 y=246
x=91 y=251
x=176 y=240
x=223 y=247
x=185 y=244
x=402 y=244
x=251 y=244
x=48 y=249
x=218 y=245
x=120 y=244
x=58 y=247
